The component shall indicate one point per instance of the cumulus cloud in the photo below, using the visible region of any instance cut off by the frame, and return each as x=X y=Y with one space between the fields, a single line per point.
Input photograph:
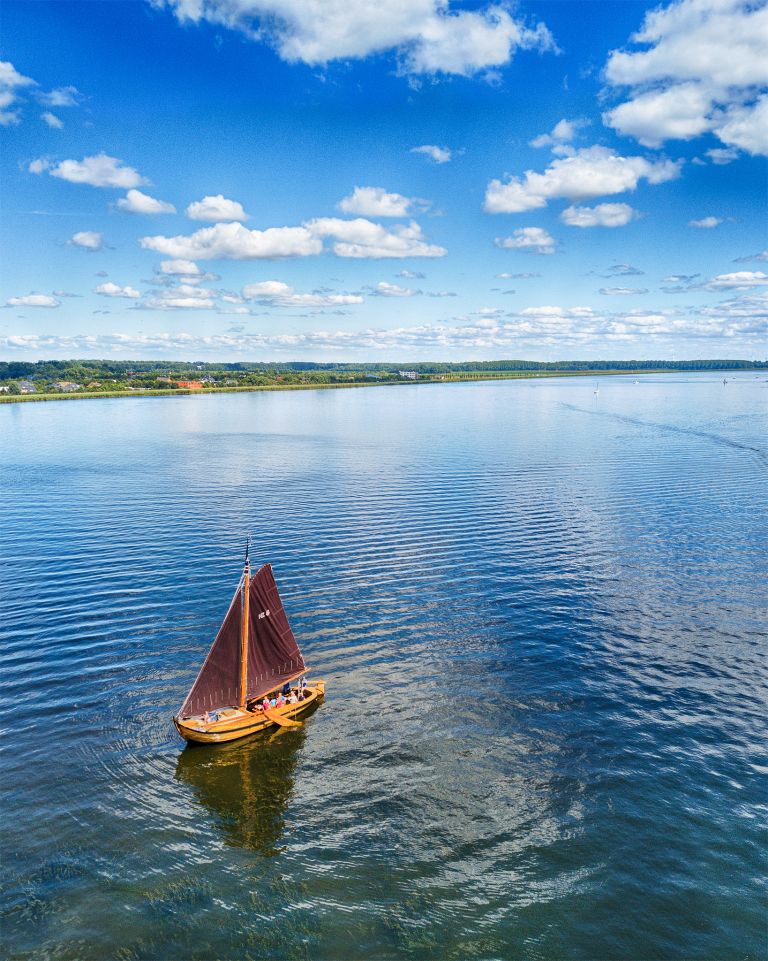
x=722 y=155
x=232 y=241
x=427 y=35
x=180 y=267
x=563 y=132
x=440 y=155
x=533 y=240
x=33 y=300
x=11 y=83
x=740 y=323
x=52 y=120
x=384 y=289
x=375 y=202
x=275 y=293
x=136 y=202
x=740 y=280
x=217 y=208
x=181 y=297
x=706 y=223
x=362 y=238
x=87 y=239
x=702 y=69
x=60 y=97
x=97 y=171
x=603 y=215
x=109 y=289
x=581 y=175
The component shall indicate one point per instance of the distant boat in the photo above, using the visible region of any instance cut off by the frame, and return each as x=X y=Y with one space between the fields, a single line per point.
x=724 y=380
x=254 y=656
x=597 y=389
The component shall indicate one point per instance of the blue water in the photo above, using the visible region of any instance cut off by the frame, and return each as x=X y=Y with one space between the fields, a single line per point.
x=541 y=617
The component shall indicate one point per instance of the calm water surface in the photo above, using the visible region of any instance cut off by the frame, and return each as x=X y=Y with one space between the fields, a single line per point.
x=541 y=616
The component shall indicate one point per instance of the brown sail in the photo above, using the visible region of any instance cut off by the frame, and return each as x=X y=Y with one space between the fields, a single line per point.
x=273 y=655
x=218 y=683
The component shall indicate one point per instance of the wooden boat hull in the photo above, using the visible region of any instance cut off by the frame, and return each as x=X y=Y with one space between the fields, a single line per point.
x=234 y=723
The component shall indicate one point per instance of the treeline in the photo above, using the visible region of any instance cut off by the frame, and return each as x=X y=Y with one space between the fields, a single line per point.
x=85 y=371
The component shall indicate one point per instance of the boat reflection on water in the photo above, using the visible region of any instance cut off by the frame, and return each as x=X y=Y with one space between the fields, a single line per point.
x=246 y=785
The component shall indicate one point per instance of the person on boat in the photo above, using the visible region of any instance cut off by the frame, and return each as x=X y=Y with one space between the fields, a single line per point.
x=280 y=700
x=206 y=718
x=294 y=698
x=300 y=694
x=265 y=704
x=286 y=689
x=302 y=683
x=273 y=701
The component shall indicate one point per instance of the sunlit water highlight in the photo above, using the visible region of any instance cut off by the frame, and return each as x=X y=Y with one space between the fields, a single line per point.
x=541 y=616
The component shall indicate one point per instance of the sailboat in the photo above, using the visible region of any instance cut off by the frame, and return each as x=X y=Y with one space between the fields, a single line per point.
x=254 y=657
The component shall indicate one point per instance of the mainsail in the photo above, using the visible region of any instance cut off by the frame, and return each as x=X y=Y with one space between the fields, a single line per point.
x=273 y=655
x=218 y=683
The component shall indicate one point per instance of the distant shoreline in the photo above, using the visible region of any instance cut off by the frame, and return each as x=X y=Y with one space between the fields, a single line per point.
x=424 y=379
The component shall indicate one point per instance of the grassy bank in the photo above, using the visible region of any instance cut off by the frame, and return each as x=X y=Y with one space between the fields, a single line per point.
x=424 y=379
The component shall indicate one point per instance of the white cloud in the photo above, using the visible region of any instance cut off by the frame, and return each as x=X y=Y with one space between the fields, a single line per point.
x=97 y=171
x=385 y=289
x=740 y=280
x=740 y=323
x=563 y=132
x=582 y=175
x=703 y=64
x=33 y=300
x=706 y=223
x=136 y=202
x=440 y=155
x=358 y=238
x=603 y=215
x=534 y=240
x=11 y=82
x=362 y=238
x=109 y=289
x=427 y=35
x=678 y=113
x=411 y=275
x=60 y=97
x=277 y=294
x=181 y=297
x=722 y=155
x=216 y=208
x=752 y=258
x=88 y=240
x=746 y=126
x=52 y=120
x=622 y=291
x=234 y=242
x=375 y=202
x=528 y=275
x=180 y=267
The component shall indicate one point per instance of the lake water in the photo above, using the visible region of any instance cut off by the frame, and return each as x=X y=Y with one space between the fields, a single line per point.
x=541 y=616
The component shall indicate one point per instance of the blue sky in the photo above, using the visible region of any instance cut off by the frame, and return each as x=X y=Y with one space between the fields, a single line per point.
x=254 y=179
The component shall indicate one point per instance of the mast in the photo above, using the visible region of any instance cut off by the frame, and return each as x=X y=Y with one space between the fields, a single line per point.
x=244 y=630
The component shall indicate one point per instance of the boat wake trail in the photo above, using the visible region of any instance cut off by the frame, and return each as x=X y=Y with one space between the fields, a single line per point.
x=673 y=429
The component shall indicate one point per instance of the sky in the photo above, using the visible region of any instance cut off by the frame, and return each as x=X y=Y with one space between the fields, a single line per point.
x=384 y=180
